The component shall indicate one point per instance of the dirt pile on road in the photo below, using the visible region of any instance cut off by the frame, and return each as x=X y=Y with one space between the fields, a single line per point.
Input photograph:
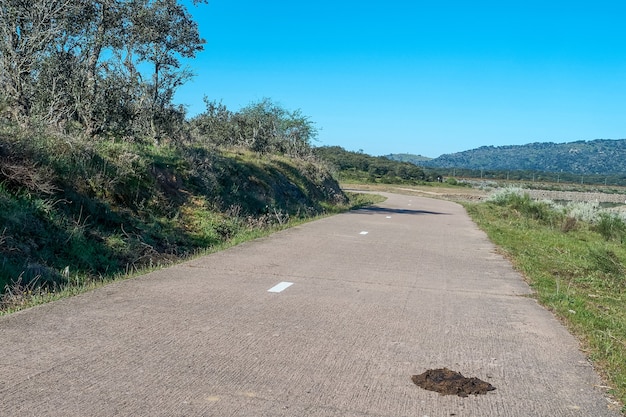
x=447 y=382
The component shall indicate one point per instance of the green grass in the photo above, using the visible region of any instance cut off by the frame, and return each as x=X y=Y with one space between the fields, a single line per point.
x=577 y=271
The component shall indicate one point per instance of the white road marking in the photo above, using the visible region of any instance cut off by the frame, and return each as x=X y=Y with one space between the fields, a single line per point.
x=388 y=217
x=363 y=233
x=280 y=286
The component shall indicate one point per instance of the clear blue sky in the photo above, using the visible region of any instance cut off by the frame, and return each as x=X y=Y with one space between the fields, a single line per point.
x=421 y=77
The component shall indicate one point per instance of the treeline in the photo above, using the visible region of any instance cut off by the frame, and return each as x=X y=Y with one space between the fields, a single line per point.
x=104 y=67
x=357 y=166
x=407 y=157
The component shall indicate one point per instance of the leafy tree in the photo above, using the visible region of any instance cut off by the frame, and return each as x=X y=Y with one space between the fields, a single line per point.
x=162 y=31
x=216 y=124
x=262 y=127
x=27 y=31
x=80 y=60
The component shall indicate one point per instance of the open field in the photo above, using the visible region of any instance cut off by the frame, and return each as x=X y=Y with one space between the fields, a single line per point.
x=587 y=194
x=578 y=196
x=434 y=191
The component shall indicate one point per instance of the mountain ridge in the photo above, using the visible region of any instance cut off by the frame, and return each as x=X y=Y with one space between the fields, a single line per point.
x=598 y=156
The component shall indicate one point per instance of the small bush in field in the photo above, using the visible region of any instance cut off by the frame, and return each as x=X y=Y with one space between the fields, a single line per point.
x=569 y=224
x=521 y=202
x=504 y=196
x=583 y=211
x=611 y=226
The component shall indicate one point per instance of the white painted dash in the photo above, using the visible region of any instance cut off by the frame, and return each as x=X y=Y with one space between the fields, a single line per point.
x=280 y=286
x=388 y=217
x=363 y=233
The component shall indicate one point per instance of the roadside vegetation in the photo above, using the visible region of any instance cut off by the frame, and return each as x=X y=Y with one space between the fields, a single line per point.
x=103 y=176
x=76 y=211
x=574 y=256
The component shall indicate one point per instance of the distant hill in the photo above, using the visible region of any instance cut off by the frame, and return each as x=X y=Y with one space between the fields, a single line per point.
x=407 y=157
x=600 y=156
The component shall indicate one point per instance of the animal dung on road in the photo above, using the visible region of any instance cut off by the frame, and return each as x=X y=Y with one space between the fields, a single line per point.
x=447 y=382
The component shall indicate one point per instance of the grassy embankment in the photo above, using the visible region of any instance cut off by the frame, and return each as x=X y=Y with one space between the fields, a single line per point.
x=77 y=212
x=574 y=258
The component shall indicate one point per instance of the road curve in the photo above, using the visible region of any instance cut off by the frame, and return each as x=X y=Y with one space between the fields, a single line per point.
x=377 y=295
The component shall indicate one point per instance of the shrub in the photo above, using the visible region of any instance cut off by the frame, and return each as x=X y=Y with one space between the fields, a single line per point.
x=526 y=206
x=583 y=211
x=569 y=224
x=504 y=196
x=611 y=226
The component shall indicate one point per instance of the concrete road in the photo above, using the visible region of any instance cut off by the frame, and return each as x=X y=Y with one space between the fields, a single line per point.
x=377 y=295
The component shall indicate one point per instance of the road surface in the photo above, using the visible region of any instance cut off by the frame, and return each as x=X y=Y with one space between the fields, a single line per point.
x=377 y=295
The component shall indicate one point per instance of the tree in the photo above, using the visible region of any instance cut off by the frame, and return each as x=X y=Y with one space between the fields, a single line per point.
x=95 y=26
x=80 y=60
x=267 y=127
x=27 y=32
x=262 y=127
x=162 y=31
x=216 y=124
